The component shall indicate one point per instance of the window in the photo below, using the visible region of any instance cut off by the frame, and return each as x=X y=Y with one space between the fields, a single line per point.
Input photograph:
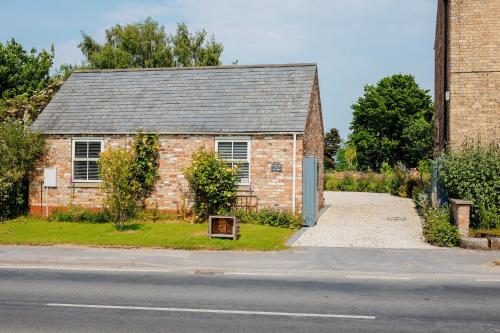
x=236 y=152
x=85 y=156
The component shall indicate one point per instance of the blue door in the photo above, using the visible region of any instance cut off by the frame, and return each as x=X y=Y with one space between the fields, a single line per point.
x=310 y=180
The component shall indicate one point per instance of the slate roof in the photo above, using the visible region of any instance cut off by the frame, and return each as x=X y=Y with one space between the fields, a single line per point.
x=226 y=99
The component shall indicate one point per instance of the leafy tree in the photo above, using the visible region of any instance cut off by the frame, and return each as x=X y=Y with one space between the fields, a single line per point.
x=332 y=145
x=23 y=72
x=20 y=154
x=345 y=160
x=392 y=123
x=146 y=45
x=212 y=184
x=119 y=187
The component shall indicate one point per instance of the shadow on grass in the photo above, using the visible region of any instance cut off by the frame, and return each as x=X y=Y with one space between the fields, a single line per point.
x=130 y=227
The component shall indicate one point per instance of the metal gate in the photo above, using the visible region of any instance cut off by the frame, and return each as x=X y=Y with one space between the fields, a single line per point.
x=310 y=181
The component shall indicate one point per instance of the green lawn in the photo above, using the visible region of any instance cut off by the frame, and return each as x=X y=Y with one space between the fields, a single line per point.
x=179 y=235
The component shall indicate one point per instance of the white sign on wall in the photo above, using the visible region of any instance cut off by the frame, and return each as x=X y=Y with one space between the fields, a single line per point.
x=50 y=177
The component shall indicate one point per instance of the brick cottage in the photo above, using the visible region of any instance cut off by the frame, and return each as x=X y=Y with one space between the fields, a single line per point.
x=265 y=118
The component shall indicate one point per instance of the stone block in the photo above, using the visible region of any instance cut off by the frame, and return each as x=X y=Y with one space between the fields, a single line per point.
x=474 y=243
x=495 y=243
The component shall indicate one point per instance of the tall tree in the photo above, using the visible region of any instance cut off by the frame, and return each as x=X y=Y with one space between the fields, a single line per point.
x=332 y=144
x=392 y=123
x=23 y=72
x=146 y=45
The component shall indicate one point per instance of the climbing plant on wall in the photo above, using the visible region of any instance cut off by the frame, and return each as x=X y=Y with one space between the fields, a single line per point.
x=146 y=163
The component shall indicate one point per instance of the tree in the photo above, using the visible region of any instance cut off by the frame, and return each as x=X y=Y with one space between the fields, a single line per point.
x=23 y=72
x=20 y=154
x=119 y=187
x=332 y=144
x=392 y=123
x=146 y=45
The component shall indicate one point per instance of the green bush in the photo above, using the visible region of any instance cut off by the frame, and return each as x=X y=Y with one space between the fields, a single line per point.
x=212 y=184
x=422 y=199
x=438 y=228
x=473 y=173
x=121 y=191
x=355 y=182
x=80 y=214
x=270 y=217
x=146 y=162
x=21 y=152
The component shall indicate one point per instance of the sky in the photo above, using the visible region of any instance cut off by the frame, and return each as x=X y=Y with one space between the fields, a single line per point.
x=353 y=42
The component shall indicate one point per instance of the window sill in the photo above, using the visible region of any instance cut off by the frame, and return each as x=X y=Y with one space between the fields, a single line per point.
x=85 y=185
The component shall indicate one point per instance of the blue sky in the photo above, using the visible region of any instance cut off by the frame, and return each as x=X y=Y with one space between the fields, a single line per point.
x=354 y=42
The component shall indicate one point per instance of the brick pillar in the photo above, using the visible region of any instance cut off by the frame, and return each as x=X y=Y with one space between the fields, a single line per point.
x=461 y=213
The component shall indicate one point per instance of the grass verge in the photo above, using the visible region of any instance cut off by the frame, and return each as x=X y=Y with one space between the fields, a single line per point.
x=180 y=235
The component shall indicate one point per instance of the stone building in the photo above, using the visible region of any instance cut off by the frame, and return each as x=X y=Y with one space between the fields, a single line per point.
x=467 y=72
x=265 y=118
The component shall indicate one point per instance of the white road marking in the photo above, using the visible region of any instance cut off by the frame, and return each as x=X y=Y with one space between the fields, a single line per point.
x=377 y=277
x=253 y=274
x=91 y=269
x=216 y=311
x=487 y=280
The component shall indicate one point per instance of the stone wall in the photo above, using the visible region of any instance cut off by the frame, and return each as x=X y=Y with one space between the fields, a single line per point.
x=314 y=135
x=474 y=71
x=274 y=189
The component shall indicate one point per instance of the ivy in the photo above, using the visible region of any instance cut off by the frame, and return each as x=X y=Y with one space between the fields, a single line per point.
x=146 y=162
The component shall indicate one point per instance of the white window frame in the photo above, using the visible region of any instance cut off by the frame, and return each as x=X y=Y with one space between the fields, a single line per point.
x=74 y=159
x=248 y=160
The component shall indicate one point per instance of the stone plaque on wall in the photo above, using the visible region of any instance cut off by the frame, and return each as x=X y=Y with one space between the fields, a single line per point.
x=276 y=167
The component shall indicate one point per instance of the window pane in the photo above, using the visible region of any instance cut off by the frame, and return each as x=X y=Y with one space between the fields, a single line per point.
x=93 y=170
x=224 y=149
x=240 y=150
x=81 y=149
x=94 y=149
x=80 y=170
x=243 y=175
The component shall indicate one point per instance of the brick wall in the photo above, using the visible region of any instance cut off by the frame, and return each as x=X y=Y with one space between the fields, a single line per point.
x=474 y=70
x=273 y=189
x=314 y=134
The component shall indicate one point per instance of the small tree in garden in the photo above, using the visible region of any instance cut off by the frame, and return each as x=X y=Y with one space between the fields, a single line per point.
x=119 y=186
x=212 y=184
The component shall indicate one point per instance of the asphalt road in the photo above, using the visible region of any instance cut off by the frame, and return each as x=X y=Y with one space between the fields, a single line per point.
x=52 y=300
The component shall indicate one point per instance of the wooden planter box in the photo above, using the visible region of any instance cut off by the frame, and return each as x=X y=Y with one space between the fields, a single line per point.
x=223 y=227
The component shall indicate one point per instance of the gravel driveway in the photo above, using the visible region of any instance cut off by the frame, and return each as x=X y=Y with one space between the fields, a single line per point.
x=373 y=220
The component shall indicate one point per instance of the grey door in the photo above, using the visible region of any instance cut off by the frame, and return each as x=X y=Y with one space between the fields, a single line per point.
x=310 y=174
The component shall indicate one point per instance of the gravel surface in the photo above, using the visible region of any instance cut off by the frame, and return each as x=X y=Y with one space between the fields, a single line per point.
x=372 y=220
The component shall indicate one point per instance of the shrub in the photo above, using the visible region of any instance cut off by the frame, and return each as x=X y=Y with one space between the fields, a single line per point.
x=270 y=217
x=355 y=182
x=211 y=183
x=20 y=153
x=146 y=162
x=438 y=228
x=422 y=199
x=121 y=191
x=473 y=173
x=80 y=214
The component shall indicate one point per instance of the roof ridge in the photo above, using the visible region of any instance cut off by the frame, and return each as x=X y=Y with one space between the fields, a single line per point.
x=194 y=68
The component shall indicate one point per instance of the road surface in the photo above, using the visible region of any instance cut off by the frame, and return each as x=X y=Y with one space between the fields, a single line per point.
x=98 y=300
